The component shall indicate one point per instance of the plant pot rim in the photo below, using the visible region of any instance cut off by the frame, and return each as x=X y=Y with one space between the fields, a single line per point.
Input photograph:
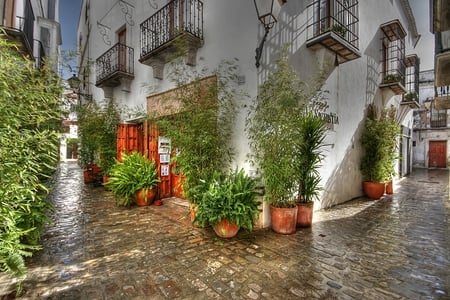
x=290 y=207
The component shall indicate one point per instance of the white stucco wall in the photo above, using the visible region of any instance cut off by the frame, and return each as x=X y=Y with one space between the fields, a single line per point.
x=231 y=30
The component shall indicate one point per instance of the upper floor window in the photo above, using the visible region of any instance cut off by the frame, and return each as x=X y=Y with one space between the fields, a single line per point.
x=393 y=55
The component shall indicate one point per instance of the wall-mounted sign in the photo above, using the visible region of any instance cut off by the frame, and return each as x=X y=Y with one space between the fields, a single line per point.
x=164 y=145
x=164 y=158
x=164 y=170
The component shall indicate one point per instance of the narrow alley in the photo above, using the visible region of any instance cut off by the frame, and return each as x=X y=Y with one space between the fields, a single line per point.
x=393 y=248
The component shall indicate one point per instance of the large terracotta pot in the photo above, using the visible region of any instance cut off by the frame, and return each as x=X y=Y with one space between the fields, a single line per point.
x=225 y=229
x=305 y=214
x=374 y=190
x=389 y=188
x=284 y=220
x=145 y=198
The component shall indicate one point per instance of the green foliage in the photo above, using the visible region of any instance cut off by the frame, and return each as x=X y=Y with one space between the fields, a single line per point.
x=309 y=157
x=202 y=128
x=29 y=126
x=132 y=174
x=231 y=197
x=284 y=133
x=379 y=144
x=97 y=130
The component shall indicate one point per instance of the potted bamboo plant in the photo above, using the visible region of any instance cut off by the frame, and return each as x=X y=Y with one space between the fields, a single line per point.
x=276 y=127
x=133 y=180
x=379 y=145
x=310 y=156
x=229 y=204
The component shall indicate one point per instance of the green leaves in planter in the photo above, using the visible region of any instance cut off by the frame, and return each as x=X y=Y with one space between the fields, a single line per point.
x=379 y=144
x=232 y=197
x=127 y=177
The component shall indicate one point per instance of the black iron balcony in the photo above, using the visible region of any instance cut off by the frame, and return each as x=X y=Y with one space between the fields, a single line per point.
x=176 y=29
x=393 y=56
x=20 y=30
x=438 y=119
x=115 y=64
x=442 y=98
x=411 y=98
x=334 y=25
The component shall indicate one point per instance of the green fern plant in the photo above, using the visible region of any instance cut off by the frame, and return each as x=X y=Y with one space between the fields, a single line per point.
x=232 y=197
x=132 y=174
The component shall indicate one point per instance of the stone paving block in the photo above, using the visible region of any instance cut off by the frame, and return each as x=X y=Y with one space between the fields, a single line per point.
x=362 y=249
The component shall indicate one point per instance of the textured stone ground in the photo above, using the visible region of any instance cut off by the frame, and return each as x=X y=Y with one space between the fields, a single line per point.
x=394 y=248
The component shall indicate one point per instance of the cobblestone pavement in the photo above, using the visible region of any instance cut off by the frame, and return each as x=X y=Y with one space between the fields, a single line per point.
x=393 y=248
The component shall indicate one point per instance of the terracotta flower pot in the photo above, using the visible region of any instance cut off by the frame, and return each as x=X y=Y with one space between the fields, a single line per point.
x=284 y=220
x=305 y=214
x=226 y=229
x=144 y=199
x=389 y=188
x=373 y=190
x=158 y=202
x=87 y=176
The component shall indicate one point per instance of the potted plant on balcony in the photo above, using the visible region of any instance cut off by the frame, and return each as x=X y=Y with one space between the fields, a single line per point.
x=411 y=96
x=339 y=29
x=392 y=78
x=229 y=204
x=379 y=145
x=276 y=131
x=133 y=180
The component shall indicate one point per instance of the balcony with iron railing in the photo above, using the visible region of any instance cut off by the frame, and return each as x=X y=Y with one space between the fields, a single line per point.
x=175 y=30
x=442 y=97
x=20 y=31
x=334 y=24
x=393 y=57
x=411 y=98
x=114 y=65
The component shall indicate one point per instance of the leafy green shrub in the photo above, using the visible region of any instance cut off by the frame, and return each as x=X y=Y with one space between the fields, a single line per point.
x=132 y=174
x=231 y=197
x=29 y=106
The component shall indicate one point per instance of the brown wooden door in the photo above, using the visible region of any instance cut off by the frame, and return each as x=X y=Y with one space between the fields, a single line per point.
x=437 y=155
x=122 y=51
x=165 y=186
x=129 y=139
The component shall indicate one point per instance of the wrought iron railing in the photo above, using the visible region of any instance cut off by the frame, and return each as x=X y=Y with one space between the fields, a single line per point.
x=438 y=119
x=393 y=53
x=338 y=16
x=175 y=18
x=118 y=59
x=439 y=116
x=412 y=63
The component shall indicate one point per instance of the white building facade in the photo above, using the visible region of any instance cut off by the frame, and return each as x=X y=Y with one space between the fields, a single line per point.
x=363 y=49
x=35 y=26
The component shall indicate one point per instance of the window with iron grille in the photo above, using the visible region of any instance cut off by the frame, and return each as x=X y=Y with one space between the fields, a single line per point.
x=393 y=53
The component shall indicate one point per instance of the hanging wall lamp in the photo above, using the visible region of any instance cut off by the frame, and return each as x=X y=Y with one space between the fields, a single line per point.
x=267 y=11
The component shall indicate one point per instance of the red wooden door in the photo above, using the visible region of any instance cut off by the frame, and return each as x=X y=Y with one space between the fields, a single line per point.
x=437 y=155
x=129 y=139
